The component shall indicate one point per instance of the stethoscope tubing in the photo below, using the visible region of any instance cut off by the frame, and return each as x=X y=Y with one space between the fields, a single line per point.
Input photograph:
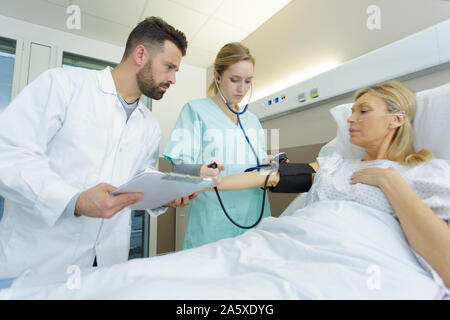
x=239 y=119
x=257 y=162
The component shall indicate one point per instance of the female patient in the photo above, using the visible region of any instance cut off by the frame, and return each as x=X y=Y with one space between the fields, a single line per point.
x=391 y=177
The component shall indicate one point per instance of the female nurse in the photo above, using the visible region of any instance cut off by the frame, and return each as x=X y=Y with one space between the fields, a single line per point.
x=209 y=129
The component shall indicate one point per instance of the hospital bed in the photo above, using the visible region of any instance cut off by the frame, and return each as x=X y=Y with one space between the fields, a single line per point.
x=295 y=256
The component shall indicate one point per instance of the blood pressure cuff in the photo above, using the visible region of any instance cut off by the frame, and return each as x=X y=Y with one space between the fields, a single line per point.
x=294 y=178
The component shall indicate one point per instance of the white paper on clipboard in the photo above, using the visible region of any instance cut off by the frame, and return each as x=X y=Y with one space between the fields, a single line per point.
x=160 y=188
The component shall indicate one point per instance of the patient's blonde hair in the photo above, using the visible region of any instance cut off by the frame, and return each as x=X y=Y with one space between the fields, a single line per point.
x=399 y=98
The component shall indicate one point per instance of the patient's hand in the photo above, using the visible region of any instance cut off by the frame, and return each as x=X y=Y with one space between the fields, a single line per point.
x=206 y=172
x=374 y=176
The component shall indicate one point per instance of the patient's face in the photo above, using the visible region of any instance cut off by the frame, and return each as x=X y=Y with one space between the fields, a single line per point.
x=369 y=126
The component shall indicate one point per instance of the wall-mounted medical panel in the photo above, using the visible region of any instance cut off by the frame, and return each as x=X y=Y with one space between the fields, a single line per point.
x=443 y=35
x=423 y=50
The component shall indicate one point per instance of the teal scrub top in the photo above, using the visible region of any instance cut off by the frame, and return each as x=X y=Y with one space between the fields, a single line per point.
x=202 y=132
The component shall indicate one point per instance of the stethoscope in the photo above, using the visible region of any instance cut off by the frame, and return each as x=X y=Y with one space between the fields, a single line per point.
x=237 y=113
x=258 y=166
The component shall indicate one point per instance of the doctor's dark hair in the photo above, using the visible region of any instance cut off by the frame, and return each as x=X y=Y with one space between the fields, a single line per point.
x=151 y=33
x=399 y=98
x=228 y=55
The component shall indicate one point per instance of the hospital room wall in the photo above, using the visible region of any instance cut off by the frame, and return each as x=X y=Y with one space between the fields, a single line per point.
x=308 y=37
x=316 y=125
x=190 y=84
x=285 y=51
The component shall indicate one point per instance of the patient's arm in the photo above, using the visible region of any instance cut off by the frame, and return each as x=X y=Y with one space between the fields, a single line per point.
x=315 y=166
x=254 y=179
x=249 y=180
x=428 y=235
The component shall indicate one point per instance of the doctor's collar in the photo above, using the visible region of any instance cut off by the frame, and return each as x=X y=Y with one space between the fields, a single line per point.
x=106 y=82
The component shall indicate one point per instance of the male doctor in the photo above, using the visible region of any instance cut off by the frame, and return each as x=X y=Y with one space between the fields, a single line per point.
x=67 y=140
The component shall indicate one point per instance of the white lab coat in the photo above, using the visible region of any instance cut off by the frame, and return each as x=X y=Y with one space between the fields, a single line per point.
x=64 y=133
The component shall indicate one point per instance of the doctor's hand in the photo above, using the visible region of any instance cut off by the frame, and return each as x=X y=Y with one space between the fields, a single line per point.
x=96 y=202
x=206 y=172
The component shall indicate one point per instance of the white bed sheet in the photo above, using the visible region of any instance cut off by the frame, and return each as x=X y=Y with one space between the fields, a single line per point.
x=329 y=250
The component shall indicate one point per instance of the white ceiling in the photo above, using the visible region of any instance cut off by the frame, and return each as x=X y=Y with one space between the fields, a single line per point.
x=208 y=24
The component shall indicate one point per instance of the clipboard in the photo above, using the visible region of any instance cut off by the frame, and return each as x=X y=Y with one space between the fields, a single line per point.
x=160 y=188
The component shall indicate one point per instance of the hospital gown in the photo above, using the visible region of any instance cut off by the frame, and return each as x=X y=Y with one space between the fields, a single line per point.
x=430 y=181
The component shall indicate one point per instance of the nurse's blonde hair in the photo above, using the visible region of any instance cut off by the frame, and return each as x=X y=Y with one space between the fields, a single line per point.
x=399 y=98
x=228 y=55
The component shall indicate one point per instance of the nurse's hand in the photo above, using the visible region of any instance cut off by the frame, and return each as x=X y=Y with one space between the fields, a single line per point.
x=181 y=202
x=206 y=172
x=96 y=202
x=270 y=158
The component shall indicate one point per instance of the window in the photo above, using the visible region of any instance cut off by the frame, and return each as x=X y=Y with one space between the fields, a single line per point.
x=139 y=219
x=73 y=60
x=7 y=57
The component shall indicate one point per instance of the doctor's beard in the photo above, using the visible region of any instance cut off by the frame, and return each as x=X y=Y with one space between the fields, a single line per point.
x=146 y=83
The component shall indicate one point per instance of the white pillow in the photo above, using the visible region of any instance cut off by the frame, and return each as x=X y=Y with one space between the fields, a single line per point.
x=432 y=122
x=341 y=144
x=431 y=126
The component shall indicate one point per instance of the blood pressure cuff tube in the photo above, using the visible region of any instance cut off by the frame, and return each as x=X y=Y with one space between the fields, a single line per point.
x=294 y=178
